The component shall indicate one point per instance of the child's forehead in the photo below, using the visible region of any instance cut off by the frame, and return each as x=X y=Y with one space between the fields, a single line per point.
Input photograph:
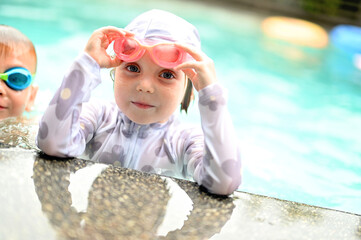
x=18 y=59
x=15 y=49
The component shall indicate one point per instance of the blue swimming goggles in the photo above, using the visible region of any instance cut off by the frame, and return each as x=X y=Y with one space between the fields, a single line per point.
x=17 y=78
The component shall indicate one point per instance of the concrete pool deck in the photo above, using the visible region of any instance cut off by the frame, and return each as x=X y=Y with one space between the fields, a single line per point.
x=46 y=198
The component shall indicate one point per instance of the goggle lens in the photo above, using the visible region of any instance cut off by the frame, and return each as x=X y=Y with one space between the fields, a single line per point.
x=17 y=78
x=126 y=49
x=165 y=55
x=129 y=46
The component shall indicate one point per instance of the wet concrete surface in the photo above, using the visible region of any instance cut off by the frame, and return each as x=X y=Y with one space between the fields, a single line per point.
x=42 y=197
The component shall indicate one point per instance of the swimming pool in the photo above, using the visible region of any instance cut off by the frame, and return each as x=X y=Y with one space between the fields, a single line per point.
x=297 y=110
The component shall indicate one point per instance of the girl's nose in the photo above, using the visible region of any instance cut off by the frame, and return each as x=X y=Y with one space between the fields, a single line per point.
x=145 y=85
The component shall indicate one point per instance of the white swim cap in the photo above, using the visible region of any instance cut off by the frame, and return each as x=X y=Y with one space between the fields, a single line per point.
x=161 y=26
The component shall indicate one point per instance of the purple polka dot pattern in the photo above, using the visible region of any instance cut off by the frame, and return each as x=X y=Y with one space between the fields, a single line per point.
x=96 y=146
x=231 y=167
x=163 y=151
x=92 y=148
x=159 y=151
x=143 y=134
x=127 y=133
x=86 y=127
x=117 y=155
x=207 y=181
x=212 y=101
x=126 y=120
x=64 y=98
x=156 y=125
x=207 y=157
x=43 y=130
x=148 y=169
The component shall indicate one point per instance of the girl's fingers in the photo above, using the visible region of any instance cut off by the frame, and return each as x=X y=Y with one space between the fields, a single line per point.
x=99 y=42
x=185 y=65
x=194 y=52
x=190 y=73
x=115 y=30
x=114 y=62
x=113 y=33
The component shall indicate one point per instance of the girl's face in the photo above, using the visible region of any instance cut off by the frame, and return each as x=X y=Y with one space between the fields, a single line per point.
x=14 y=103
x=146 y=92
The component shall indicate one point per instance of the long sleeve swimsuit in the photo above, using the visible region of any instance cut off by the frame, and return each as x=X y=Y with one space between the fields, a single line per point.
x=73 y=126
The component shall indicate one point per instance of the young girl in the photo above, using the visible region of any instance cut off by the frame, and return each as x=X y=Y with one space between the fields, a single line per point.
x=17 y=67
x=155 y=55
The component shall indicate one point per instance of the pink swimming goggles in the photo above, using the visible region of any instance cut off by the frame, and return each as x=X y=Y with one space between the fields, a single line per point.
x=166 y=55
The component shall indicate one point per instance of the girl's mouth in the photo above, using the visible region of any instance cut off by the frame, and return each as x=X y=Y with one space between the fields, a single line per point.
x=142 y=105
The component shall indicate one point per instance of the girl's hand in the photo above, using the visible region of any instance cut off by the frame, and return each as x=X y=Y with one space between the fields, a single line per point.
x=99 y=42
x=201 y=71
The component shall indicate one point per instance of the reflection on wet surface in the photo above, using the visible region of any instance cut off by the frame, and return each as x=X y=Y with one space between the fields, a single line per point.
x=47 y=198
x=18 y=132
x=123 y=202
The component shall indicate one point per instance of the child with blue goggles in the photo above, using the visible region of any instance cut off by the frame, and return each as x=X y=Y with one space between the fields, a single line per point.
x=17 y=69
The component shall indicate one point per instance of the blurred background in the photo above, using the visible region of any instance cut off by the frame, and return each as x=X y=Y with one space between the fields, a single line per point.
x=332 y=12
x=294 y=84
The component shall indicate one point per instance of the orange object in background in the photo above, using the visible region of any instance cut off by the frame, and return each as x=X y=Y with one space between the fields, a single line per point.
x=296 y=31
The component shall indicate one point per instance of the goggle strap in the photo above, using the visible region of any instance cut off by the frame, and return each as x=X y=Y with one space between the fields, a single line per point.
x=4 y=76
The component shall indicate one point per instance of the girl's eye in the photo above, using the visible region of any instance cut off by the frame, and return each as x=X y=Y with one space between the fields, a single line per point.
x=133 y=68
x=167 y=75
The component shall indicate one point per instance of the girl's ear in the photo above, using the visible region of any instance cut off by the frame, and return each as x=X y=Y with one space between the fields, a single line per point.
x=30 y=103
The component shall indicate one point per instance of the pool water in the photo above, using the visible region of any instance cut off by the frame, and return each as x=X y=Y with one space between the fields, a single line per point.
x=297 y=110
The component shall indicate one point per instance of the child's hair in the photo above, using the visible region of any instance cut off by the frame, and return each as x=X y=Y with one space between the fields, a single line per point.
x=188 y=95
x=14 y=42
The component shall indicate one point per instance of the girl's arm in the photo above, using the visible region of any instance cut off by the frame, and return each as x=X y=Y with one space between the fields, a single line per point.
x=218 y=168
x=66 y=126
x=61 y=130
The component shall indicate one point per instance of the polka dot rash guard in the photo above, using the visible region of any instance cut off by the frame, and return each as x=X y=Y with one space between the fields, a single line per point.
x=73 y=126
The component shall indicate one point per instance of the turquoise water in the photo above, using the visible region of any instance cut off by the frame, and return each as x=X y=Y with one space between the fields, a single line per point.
x=297 y=110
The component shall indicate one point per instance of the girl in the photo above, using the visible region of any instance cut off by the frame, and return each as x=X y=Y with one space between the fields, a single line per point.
x=155 y=55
